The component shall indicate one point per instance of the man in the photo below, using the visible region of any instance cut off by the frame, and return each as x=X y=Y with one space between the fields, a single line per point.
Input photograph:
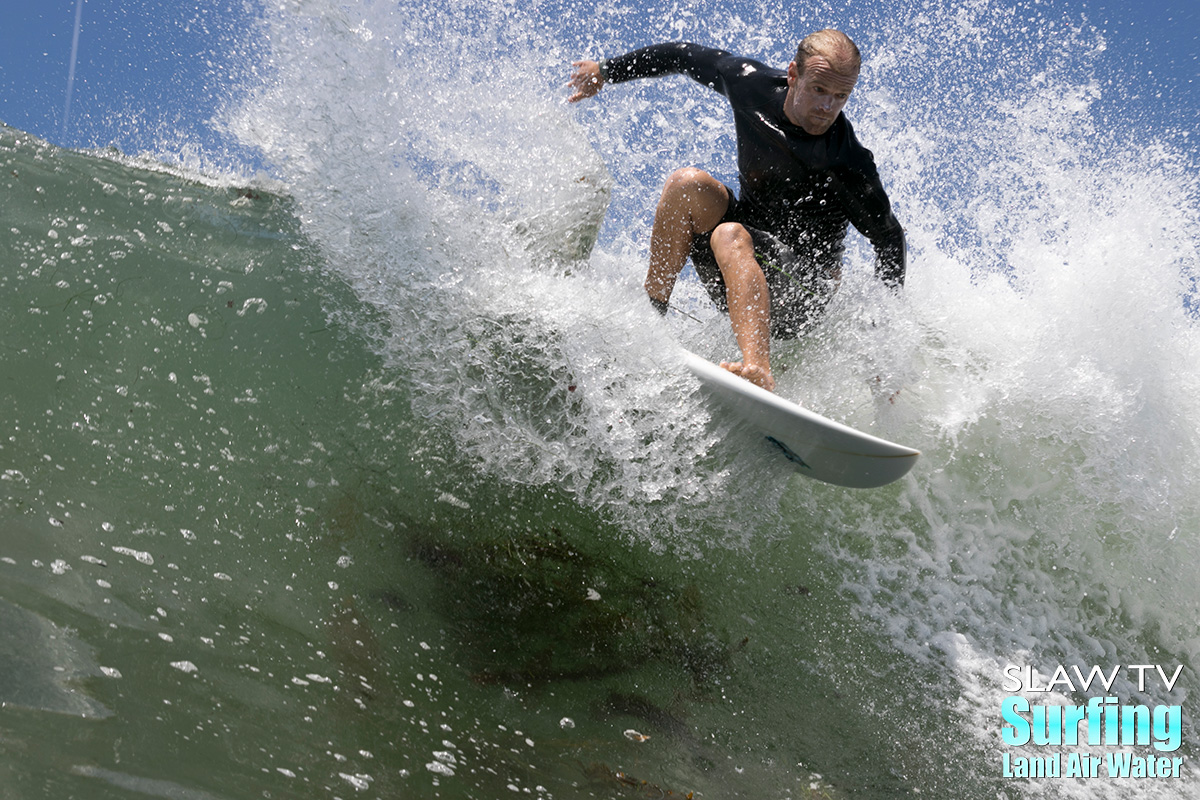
x=771 y=257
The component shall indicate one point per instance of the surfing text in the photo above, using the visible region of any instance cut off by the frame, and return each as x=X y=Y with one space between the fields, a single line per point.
x=1103 y=721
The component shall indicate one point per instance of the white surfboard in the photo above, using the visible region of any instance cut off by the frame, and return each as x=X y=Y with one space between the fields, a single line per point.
x=816 y=446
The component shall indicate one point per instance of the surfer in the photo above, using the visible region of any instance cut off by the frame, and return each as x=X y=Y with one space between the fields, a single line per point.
x=770 y=257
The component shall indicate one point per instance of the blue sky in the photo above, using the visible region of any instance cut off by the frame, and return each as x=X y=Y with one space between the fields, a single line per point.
x=145 y=70
x=155 y=71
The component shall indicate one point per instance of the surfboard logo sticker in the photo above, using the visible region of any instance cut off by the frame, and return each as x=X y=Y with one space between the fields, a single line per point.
x=788 y=452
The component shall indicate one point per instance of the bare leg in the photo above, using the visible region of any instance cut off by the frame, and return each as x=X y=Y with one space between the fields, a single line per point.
x=749 y=303
x=692 y=203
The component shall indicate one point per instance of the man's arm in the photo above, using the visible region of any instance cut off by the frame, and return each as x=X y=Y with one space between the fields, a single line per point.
x=672 y=58
x=870 y=213
x=891 y=253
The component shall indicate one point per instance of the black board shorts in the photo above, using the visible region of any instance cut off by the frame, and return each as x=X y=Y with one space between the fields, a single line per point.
x=799 y=292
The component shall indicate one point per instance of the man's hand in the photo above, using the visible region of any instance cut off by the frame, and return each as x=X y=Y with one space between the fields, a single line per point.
x=586 y=81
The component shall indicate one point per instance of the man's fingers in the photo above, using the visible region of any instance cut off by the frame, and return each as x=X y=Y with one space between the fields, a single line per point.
x=586 y=80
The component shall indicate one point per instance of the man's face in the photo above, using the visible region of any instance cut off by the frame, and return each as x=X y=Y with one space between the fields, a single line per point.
x=815 y=98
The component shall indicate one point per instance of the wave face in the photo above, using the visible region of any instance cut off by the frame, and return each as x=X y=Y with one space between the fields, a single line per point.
x=382 y=479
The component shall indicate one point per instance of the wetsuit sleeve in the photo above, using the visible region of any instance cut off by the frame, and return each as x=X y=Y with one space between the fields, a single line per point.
x=699 y=63
x=870 y=213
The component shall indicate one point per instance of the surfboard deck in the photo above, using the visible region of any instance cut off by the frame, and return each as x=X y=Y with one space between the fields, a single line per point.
x=814 y=445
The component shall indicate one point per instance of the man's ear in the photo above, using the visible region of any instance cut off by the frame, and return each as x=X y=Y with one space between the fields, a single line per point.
x=793 y=74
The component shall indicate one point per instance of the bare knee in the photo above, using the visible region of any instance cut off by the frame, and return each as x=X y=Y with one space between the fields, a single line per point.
x=696 y=196
x=688 y=179
x=730 y=239
x=734 y=250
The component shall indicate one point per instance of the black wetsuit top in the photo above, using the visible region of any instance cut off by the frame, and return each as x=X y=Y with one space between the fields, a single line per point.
x=803 y=188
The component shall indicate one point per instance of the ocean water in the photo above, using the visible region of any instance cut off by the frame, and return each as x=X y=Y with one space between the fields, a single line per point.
x=371 y=473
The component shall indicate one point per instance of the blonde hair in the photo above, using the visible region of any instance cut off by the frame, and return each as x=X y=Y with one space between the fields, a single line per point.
x=832 y=45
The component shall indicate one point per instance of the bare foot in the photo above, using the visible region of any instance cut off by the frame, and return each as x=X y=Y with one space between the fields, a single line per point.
x=756 y=375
